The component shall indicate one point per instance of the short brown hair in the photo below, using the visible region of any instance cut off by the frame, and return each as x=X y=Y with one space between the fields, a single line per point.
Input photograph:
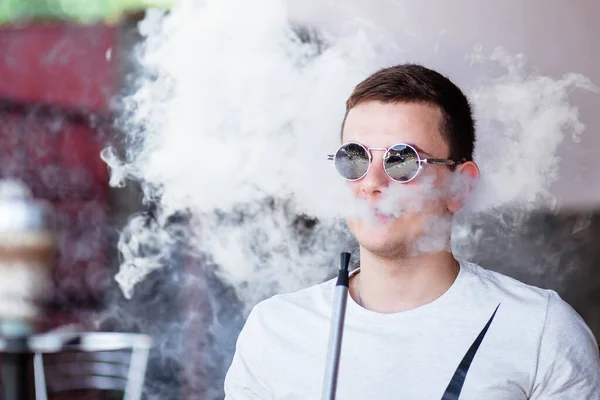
x=415 y=83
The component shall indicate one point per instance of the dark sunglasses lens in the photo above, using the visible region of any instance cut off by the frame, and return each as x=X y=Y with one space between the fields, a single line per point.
x=401 y=163
x=352 y=161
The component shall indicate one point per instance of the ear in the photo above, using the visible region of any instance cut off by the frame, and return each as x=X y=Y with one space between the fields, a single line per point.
x=464 y=180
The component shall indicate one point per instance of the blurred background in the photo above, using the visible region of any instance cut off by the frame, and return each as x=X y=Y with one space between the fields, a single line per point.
x=64 y=65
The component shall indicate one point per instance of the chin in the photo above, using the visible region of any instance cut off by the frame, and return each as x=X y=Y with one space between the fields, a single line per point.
x=386 y=238
x=387 y=250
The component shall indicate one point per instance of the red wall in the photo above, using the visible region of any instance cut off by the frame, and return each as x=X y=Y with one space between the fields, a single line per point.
x=56 y=84
x=58 y=64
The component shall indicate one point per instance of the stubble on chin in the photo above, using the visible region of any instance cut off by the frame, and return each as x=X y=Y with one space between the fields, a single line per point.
x=395 y=248
x=394 y=252
x=368 y=241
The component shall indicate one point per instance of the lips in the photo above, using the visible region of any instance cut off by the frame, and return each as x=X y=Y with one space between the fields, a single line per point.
x=382 y=217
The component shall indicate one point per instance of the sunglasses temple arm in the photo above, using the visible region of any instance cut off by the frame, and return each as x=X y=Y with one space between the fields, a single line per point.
x=330 y=157
x=438 y=161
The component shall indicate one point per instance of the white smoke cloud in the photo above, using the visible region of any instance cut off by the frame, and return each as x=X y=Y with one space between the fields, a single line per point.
x=522 y=121
x=249 y=107
x=235 y=115
x=399 y=199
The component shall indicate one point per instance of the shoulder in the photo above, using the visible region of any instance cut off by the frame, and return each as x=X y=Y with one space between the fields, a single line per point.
x=513 y=292
x=565 y=328
x=284 y=310
x=507 y=290
x=522 y=308
x=568 y=358
x=547 y=317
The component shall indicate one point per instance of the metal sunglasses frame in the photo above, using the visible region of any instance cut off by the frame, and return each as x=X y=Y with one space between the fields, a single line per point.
x=420 y=161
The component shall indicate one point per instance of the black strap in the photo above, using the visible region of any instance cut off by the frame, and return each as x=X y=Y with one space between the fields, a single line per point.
x=456 y=383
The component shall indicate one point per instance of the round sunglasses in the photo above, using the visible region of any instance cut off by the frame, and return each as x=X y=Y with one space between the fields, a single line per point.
x=401 y=162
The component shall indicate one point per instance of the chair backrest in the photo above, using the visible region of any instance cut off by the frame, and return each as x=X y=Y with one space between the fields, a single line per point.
x=94 y=361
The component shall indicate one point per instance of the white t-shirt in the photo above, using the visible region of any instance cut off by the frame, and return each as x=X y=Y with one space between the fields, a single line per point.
x=536 y=346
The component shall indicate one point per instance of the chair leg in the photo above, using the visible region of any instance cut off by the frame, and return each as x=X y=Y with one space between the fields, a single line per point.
x=39 y=377
x=136 y=374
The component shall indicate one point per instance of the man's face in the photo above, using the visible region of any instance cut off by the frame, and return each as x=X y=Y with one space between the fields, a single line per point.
x=376 y=124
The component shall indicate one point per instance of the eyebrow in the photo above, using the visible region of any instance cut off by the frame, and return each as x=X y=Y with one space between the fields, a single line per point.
x=420 y=150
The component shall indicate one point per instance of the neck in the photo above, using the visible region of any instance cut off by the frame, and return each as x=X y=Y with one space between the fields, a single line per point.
x=389 y=285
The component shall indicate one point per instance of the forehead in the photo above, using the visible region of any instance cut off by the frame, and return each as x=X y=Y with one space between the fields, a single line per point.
x=377 y=124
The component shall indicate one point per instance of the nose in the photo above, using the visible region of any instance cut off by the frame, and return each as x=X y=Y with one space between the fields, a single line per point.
x=376 y=180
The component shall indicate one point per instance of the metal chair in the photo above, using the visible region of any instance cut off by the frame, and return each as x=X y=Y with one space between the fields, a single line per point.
x=90 y=361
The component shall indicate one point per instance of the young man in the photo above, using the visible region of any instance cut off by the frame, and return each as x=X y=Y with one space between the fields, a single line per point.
x=419 y=323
